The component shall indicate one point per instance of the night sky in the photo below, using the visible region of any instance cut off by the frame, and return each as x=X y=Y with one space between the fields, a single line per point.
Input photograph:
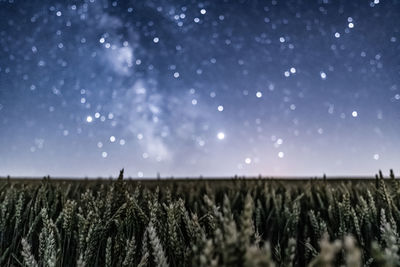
x=189 y=88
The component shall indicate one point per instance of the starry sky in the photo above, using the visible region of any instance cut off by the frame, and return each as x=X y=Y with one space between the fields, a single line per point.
x=189 y=88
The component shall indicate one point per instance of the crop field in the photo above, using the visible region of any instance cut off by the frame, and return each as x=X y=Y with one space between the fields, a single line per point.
x=225 y=222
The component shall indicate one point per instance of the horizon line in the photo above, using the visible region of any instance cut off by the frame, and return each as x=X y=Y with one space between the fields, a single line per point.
x=199 y=177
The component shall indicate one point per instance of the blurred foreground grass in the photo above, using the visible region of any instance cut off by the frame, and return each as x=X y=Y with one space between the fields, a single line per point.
x=226 y=222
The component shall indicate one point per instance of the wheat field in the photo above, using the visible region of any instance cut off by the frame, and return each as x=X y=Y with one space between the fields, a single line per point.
x=235 y=222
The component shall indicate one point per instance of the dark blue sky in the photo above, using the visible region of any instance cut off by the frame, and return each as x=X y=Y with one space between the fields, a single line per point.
x=199 y=87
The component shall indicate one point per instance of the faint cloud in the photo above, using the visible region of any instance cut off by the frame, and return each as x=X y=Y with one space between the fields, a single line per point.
x=121 y=59
x=139 y=116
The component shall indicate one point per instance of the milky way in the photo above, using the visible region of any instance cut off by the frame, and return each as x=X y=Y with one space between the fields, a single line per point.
x=190 y=88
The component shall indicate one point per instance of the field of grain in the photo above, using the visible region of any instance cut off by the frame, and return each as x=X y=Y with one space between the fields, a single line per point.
x=225 y=222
